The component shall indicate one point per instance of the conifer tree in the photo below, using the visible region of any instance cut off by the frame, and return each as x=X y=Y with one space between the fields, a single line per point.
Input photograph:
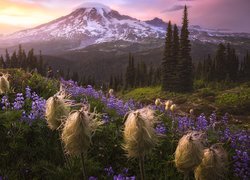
x=167 y=62
x=2 y=63
x=220 y=63
x=130 y=73
x=246 y=67
x=185 y=65
x=7 y=59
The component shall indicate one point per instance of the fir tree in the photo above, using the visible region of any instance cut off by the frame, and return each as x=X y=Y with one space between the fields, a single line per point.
x=220 y=63
x=185 y=65
x=167 y=62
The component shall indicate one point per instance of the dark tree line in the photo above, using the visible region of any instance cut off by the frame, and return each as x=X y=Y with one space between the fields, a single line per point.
x=176 y=71
x=225 y=66
x=139 y=75
x=26 y=61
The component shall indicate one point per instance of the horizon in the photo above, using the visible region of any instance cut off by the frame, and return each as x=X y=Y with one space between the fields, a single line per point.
x=18 y=15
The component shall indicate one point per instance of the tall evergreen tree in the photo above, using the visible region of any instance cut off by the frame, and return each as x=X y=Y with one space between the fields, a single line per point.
x=232 y=63
x=2 y=63
x=220 y=63
x=7 y=58
x=167 y=62
x=185 y=65
x=130 y=73
x=246 y=67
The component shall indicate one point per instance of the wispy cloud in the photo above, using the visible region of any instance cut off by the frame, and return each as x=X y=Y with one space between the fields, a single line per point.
x=186 y=0
x=175 y=8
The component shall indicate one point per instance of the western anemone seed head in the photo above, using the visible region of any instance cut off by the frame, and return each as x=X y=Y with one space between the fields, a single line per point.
x=111 y=92
x=173 y=108
x=158 y=102
x=56 y=111
x=148 y=114
x=168 y=104
x=139 y=133
x=191 y=111
x=78 y=130
x=4 y=83
x=189 y=151
x=213 y=165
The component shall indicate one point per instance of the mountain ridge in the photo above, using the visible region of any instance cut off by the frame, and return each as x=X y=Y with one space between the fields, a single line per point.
x=95 y=23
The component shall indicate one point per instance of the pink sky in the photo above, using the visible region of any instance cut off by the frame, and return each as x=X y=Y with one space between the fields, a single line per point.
x=218 y=14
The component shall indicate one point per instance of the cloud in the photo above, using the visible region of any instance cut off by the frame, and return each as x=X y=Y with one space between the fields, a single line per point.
x=175 y=8
x=186 y=0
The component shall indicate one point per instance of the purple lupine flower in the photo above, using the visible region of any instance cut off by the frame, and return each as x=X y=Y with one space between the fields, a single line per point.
x=19 y=101
x=106 y=119
x=37 y=108
x=28 y=92
x=161 y=129
x=212 y=119
x=184 y=124
x=93 y=178
x=201 y=123
x=109 y=170
x=225 y=119
x=5 y=103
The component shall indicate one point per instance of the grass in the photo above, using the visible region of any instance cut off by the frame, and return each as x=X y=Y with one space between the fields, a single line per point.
x=233 y=98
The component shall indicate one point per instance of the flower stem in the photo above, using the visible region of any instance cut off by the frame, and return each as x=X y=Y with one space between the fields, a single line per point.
x=83 y=167
x=141 y=164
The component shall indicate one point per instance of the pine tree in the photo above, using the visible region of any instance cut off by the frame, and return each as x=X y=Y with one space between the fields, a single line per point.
x=199 y=70
x=13 y=60
x=246 y=67
x=130 y=73
x=220 y=63
x=167 y=65
x=111 y=82
x=232 y=63
x=7 y=59
x=2 y=63
x=185 y=65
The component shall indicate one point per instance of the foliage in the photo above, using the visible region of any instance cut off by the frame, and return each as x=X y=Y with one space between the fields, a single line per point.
x=30 y=150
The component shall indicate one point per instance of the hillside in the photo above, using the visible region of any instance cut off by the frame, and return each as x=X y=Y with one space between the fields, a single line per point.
x=28 y=141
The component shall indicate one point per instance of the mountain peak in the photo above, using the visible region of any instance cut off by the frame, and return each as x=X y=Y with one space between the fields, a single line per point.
x=97 y=6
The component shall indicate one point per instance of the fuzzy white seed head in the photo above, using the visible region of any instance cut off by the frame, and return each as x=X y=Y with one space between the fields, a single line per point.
x=191 y=111
x=4 y=83
x=158 y=102
x=168 y=104
x=189 y=151
x=78 y=130
x=139 y=133
x=56 y=111
x=213 y=165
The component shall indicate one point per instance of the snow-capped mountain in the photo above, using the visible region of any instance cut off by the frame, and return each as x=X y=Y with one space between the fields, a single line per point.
x=91 y=23
x=94 y=23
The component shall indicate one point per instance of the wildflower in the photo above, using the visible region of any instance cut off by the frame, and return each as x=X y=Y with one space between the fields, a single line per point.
x=173 y=108
x=78 y=130
x=213 y=165
x=189 y=152
x=158 y=102
x=56 y=111
x=168 y=104
x=4 y=84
